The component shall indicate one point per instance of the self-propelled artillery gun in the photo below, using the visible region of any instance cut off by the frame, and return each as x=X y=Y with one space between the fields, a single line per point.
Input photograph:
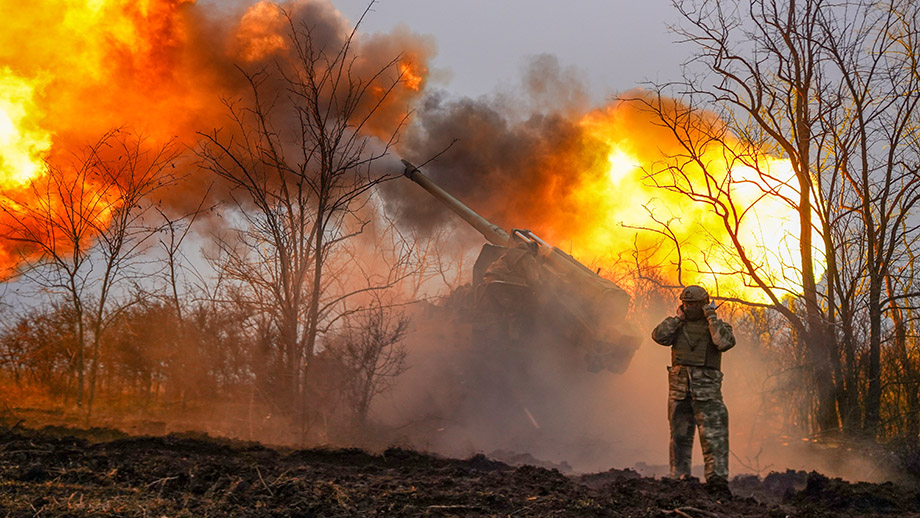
x=526 y=291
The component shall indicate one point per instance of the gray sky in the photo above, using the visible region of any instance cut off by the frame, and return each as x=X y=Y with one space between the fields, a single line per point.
x=484 y=44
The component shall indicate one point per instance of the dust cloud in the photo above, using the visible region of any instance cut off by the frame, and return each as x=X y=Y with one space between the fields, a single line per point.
x=460 y=398
x=541 y=404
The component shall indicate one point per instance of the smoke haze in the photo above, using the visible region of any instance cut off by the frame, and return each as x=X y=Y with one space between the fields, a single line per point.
x=537 y=157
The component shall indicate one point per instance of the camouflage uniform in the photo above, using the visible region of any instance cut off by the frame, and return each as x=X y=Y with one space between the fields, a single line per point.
x=695 y=390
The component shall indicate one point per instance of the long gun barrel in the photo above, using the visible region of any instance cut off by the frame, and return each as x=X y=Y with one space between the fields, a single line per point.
x=560 y=261
x=493 y=233
x=564 y=264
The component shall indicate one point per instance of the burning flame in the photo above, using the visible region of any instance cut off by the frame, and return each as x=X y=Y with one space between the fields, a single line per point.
x=23 y=142
x=73 y=71
x=409 y=76
x=615 y=210
x=87 y=68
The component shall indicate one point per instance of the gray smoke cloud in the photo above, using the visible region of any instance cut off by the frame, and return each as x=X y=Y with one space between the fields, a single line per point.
x=498 y=154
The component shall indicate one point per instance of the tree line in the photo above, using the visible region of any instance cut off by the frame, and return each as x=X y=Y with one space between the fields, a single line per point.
x=300 y=307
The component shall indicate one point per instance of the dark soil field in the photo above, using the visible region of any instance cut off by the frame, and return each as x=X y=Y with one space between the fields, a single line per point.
x=63 y=472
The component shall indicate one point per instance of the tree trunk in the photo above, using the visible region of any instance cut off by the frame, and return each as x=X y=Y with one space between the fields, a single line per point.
x=80 y=339
x=852 y=413
x=911 y=419
x=312 y=316
x=818 y=341
x=874 y=395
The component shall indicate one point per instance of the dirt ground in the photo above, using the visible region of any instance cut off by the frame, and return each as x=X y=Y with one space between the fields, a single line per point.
x=65 y=472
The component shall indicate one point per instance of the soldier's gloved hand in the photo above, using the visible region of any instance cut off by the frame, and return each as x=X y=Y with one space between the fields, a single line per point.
x=709 y=310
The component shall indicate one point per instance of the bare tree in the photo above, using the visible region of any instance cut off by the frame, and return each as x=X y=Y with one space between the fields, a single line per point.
x=299 y=165
x=177 y=230
x=368 y=350
x=81 y=224
x=871 y=129
x=135 y=174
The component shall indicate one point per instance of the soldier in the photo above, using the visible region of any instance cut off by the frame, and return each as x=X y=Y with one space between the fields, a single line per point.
x=697 y=338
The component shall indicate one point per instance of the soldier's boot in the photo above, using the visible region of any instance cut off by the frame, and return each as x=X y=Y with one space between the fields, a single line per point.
x=680 y=417
x=718 y=488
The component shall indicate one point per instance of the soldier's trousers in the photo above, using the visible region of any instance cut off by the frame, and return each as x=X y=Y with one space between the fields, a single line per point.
x=695 y=402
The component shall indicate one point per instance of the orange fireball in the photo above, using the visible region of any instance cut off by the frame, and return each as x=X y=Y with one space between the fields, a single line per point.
x=629 y=208
x=410 y=76
x=72 y=71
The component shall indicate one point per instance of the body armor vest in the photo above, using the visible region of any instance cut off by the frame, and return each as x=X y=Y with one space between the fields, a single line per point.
x=693 y=346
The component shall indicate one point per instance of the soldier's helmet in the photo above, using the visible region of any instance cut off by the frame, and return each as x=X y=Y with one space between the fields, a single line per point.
x=694 y=294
